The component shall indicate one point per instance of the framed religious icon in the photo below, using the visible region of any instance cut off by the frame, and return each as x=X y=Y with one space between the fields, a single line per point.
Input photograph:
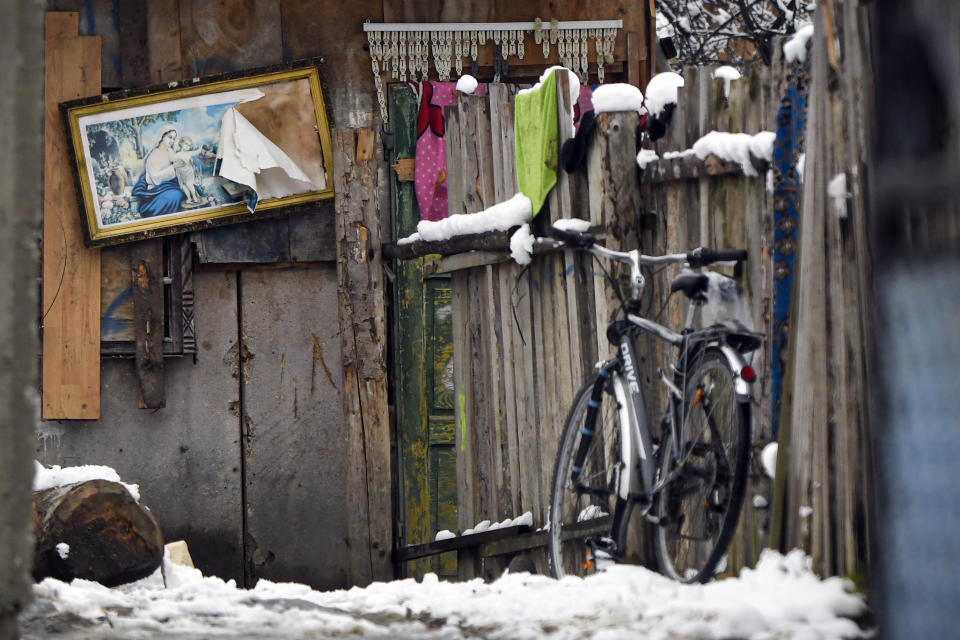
x=206 y=152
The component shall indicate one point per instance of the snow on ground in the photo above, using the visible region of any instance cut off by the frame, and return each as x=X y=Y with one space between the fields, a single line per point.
x=779 y=599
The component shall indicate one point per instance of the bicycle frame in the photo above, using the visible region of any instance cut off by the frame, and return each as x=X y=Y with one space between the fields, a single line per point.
x=638 y=468
x=636 y=480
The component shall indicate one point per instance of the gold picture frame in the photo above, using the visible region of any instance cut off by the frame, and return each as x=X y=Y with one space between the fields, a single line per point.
x=155 y=161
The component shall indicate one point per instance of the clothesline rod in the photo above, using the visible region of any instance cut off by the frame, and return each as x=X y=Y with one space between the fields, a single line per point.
x=489 y=26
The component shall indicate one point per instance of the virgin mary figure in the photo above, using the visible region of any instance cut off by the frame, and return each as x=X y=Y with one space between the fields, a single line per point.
x=158 y=190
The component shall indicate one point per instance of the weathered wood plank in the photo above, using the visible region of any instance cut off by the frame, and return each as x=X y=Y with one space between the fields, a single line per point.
x=536 y=462
x=248 y=34
x=362 y=321
x=411 y=552
x=145 y=264
x=348 y=83
x=292 y=416
x=71 y=272
x=164 y=59
x=146 y=275
x=503 y=182
x=467 y=485
x=493 y=336
x=411 y=319
x=479 y=361
x=454 y=148
x=458 y=261
x=497 y=95
x=476 y=153
x=508 y=369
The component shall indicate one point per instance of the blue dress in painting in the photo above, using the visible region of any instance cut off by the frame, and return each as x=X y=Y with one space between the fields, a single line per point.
x=162 y=198
x=158 y=190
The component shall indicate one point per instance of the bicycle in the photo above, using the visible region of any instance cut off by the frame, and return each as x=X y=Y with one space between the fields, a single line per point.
x=688 y=480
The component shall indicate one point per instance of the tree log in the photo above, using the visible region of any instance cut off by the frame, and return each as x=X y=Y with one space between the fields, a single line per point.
x=110 y=537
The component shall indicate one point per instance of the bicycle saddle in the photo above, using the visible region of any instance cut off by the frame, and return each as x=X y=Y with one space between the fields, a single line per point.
x=693 y=285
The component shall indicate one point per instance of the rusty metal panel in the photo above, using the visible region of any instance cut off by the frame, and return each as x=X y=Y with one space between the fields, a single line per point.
x=185 y=457
x=293 y=426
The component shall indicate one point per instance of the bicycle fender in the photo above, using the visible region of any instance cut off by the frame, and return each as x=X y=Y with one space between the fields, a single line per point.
x=742 y=388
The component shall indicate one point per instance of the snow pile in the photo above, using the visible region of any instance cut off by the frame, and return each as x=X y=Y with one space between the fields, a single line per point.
x=646 y=156
x=467 y=84
x=56 y=476
x=662 y=90
x=63 y=550
x=617 y=97
x=521 y=245
x=728 y=74
x=500 y=217
x=795 y=49
x=486 y=525
x=736 y=147
x=781 y=598
x=444 y=534
x=673 y=155
x=571 y=224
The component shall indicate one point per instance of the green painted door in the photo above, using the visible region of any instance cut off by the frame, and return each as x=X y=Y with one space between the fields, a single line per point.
x=424 y=370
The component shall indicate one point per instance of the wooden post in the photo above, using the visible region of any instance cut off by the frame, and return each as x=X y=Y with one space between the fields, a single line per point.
x=146 y=272
x=146 y=256
x=71 y=272
x=363 y=343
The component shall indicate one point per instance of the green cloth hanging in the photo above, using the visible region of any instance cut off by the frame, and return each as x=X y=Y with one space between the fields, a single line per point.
x=536 y=138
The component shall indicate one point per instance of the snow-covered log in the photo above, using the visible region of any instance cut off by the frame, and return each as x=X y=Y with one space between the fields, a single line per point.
x=94 y=530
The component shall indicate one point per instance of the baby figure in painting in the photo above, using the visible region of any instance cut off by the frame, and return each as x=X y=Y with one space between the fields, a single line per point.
x=186 y=174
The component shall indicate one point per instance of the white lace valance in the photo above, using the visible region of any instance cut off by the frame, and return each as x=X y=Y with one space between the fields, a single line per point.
x=406 y=50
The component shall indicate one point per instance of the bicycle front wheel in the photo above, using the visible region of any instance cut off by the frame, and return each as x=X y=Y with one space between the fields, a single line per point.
x=585 y=513
x=705 y=477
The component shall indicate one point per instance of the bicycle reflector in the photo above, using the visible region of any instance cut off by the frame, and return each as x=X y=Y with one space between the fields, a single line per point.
x=748 y=374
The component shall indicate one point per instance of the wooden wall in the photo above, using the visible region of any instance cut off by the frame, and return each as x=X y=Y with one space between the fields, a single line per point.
x=251 y=443
x=253 y=439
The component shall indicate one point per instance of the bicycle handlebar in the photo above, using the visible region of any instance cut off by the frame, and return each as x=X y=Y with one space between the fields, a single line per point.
x=699 y=257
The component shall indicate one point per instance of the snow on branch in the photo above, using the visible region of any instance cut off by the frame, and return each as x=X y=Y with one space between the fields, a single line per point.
x=733 y=32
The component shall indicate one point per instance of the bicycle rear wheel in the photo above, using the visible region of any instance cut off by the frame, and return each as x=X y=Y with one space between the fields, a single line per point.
x=699 y=506
x=585 y=513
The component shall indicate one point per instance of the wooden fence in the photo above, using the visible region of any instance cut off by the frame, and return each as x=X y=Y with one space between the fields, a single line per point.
x=525 y=339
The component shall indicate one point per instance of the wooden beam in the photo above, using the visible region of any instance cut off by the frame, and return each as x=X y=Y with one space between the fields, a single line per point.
x=413 y=551
x=71 y=272
x=145 y=257
x=363 y=342
x=468 y=260
x=691 y=167
x=492 y=241
x=146 y=273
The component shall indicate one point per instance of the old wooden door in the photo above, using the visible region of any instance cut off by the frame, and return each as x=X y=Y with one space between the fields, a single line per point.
x=424 y=370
